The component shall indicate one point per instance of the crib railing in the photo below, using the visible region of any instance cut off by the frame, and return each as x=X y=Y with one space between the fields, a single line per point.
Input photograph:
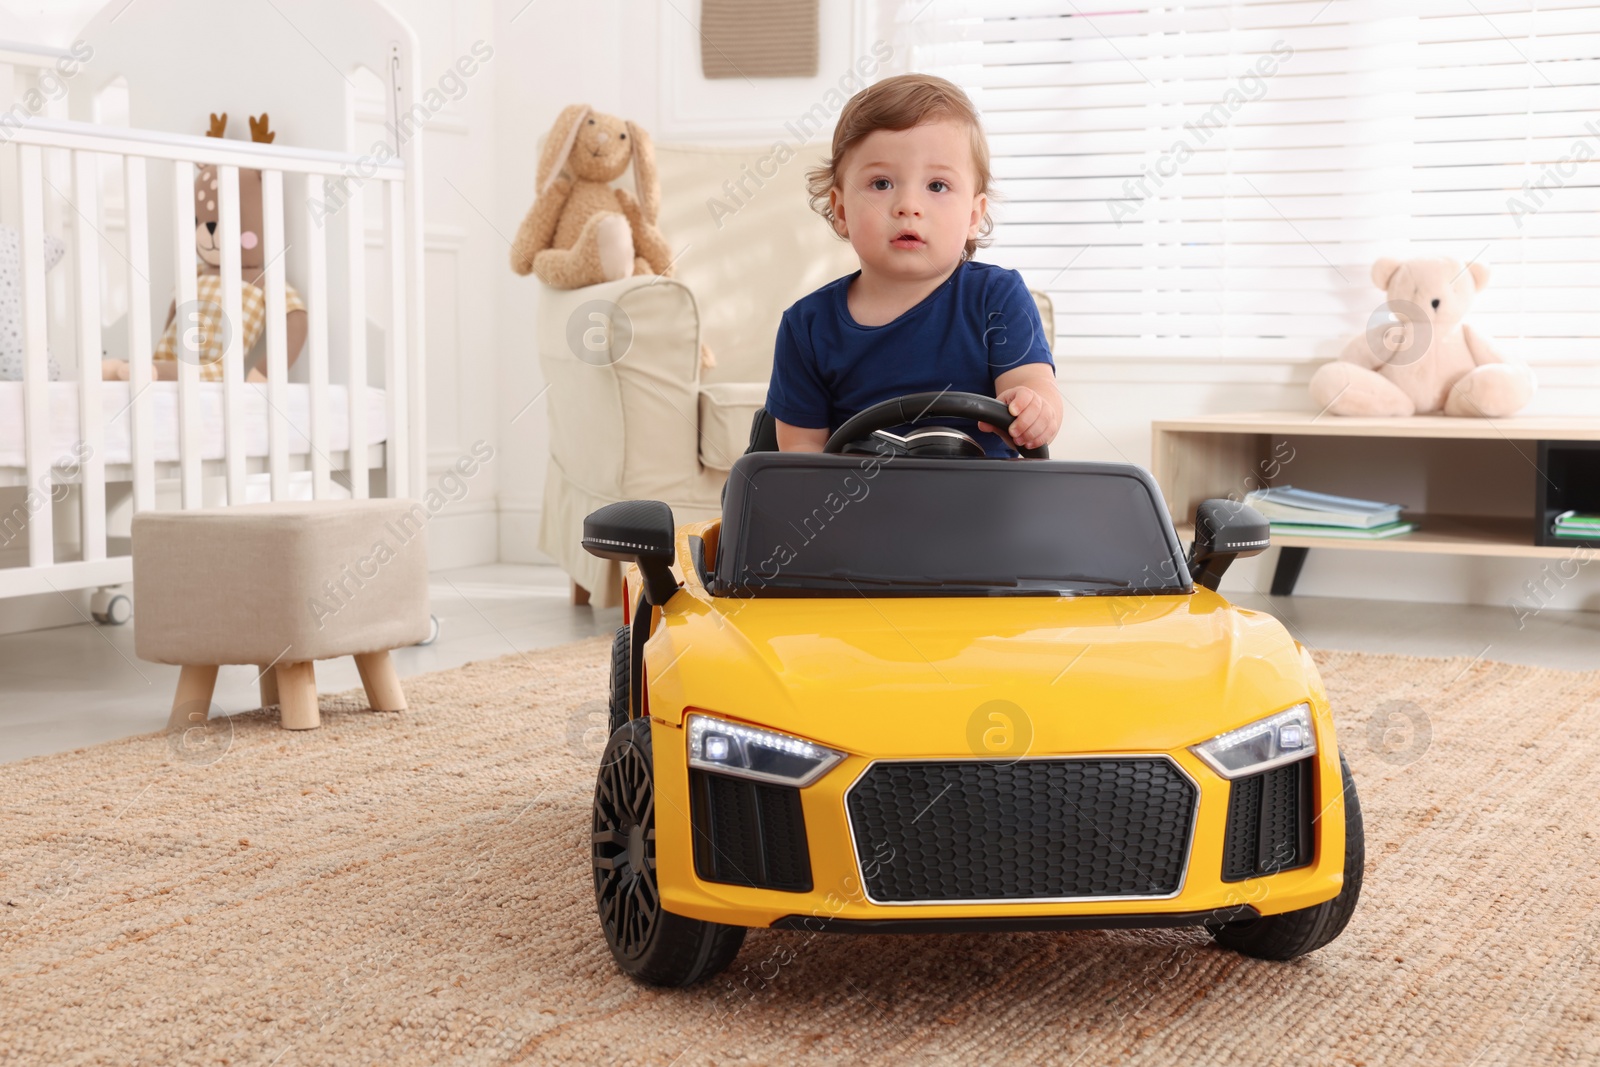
x=317 y=174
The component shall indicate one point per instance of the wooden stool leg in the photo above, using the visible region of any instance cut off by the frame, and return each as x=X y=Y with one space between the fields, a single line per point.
x=580 y=595
x=381 y=682
x=191 y=704
x=297 y=696
x=269 y=686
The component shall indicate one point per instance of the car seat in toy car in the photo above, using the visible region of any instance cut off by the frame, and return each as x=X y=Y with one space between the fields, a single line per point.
x=763 y=433
x=763 y=438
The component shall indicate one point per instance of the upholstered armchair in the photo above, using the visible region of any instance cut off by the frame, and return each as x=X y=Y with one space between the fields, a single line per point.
x=633 y=413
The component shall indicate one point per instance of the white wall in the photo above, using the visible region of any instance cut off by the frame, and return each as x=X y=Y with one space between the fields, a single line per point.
x=640 y=59
x=463 y=259
x=554 y=54
x=642 y=62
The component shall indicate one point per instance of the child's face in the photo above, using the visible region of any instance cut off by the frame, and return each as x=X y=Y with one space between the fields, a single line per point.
x=908 y=200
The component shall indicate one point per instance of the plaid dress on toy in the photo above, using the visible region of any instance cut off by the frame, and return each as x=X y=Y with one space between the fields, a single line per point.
x=204 y=336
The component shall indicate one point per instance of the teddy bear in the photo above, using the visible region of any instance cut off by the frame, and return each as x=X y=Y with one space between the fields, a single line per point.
x=202 y=336
x=580 y=230
x=11 y=301
x=1429 y=361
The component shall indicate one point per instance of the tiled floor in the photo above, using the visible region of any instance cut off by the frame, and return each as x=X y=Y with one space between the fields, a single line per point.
x=78 y=685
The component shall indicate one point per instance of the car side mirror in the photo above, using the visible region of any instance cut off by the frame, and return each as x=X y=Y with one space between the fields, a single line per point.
x=1224 y=530
x=636 y=531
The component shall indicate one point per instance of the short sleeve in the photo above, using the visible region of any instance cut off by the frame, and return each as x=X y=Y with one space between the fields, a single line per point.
x=1013 y=331
x=796 y=394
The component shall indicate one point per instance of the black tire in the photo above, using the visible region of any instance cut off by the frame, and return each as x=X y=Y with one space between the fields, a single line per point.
x=1295 y=933
x=649 y=943
x=621 y=652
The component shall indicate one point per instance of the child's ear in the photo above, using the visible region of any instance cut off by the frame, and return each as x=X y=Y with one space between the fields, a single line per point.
x=841 y=226
x=980 y=207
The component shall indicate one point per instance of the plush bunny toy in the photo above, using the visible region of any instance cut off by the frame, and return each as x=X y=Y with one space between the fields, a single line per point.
x=1429 y=361
x=580 y=230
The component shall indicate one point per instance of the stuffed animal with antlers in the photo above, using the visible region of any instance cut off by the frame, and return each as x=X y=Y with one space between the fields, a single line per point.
x=580 y=230
x=200 y=334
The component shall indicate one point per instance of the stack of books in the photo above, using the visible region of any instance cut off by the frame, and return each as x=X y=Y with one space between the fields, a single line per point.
x=1302 y=513
x=1580 y=526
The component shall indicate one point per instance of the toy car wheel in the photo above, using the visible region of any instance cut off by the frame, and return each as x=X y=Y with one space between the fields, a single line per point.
x=621 y=648
x=1294 y=933
x=648 y=942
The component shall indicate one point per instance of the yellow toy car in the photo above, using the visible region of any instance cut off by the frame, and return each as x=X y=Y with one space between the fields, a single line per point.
x=901 y=686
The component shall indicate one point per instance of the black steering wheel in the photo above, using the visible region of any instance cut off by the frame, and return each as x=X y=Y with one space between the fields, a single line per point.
x=918 y=407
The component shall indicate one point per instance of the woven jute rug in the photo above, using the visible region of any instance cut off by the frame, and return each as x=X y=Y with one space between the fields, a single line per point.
x=414 y=888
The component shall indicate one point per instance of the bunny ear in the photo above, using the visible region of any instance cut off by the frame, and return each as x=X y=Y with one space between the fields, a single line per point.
x=646 y=186
x=219 y=124
x=558 y=146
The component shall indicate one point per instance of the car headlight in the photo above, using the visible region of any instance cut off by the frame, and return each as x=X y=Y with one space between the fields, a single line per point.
x=764 y=755
x=1262 y=745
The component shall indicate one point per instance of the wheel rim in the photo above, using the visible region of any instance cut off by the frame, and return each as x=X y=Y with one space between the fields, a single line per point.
x=624 y=852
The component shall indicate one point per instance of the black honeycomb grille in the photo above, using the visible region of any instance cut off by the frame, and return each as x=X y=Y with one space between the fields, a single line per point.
x=748 y=833
x=986 y=830
x=1269 y=822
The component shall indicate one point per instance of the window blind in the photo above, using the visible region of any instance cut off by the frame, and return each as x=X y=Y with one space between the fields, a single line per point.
x=1214 y=179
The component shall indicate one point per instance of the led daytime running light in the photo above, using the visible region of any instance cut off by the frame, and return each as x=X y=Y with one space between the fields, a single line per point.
x=763 y=755
x=1261 y=745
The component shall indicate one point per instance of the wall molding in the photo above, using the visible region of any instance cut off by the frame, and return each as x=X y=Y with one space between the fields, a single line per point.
x=751 y=112
x=519 y=529
x=463 y=537
x=520 y=504
x=21 y=614
x=442 y=458
x=434 y=238
x=446 y=120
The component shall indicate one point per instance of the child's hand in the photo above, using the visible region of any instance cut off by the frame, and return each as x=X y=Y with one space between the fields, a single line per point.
x=1035 y=417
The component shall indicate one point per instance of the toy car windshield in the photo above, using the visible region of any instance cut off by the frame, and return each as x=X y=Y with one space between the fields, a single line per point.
x=826 y=525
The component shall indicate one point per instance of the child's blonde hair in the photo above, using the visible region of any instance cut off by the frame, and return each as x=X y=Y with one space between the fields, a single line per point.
x=899 y=103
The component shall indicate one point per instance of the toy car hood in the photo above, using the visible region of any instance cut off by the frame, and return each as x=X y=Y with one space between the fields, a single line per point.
x=1080 y=674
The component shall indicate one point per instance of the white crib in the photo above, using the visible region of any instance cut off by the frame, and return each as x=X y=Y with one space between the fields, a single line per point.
x=81 y=453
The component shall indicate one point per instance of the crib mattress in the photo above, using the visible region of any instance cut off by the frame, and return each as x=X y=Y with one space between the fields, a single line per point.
x=162 y=398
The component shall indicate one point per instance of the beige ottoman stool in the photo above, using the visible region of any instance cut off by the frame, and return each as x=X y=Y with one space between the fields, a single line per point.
x=280 y=586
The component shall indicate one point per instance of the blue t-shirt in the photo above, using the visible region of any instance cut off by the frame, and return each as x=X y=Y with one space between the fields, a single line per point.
x=980 y=323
